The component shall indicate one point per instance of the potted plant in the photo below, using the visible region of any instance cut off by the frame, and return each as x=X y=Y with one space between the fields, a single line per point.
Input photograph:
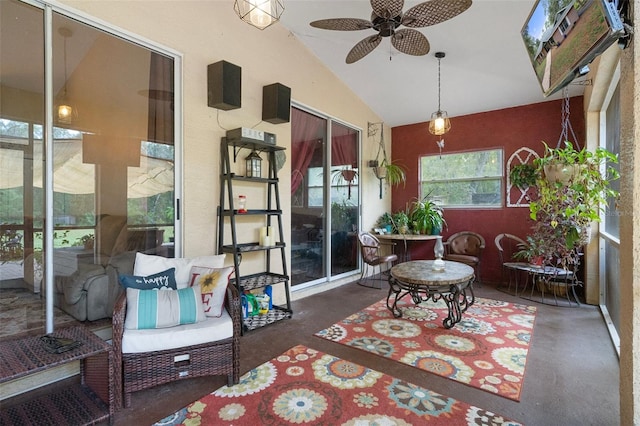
x=87 y=241
x=400 y=221
x=426 y=217
x=566 y=206
x=342 y=176
x=385 y=221
x=395 y=174
x=524 y=175
x=533 y=252
x=343 y=216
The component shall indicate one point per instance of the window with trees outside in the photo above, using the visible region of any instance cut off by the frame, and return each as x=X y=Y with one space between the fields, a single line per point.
x=466 y=179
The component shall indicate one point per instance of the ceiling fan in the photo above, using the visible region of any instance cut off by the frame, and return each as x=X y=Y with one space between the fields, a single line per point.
x=387 y=16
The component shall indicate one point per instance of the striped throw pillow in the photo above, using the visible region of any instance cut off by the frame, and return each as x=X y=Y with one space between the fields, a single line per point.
x=163 y=308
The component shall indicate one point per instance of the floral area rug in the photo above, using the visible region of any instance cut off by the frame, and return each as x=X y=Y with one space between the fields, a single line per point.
x=487 y=349
x=305 y=386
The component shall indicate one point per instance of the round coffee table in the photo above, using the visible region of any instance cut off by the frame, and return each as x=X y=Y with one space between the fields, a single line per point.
x=418 y=279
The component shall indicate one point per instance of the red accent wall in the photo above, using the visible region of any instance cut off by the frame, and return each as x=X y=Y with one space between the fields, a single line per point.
x=509 y=129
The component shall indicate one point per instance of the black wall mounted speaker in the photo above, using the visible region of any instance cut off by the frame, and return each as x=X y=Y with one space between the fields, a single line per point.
x=276 y=103
x=224 y=86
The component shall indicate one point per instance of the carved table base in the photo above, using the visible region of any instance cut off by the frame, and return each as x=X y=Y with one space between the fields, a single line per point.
x=418 y=280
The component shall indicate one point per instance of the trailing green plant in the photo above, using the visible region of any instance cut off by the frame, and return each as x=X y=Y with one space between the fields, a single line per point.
x=344 y=176
x=563 y=211
x=395 y=174
x=524 y=175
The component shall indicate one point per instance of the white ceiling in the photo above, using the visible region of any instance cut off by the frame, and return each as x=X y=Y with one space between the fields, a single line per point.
x=486 y=65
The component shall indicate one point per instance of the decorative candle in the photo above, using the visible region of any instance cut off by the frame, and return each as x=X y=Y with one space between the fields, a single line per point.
x=267 y=237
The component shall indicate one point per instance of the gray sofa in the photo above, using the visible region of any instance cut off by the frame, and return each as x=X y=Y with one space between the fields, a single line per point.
x=90 y=293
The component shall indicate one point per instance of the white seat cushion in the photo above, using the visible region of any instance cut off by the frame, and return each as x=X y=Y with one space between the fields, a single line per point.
x=210 y=330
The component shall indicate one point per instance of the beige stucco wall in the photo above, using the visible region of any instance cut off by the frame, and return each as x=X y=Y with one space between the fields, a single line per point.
x=603 y=70
x=204 y=32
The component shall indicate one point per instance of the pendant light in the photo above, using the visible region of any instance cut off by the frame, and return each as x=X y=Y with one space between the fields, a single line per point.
x=259 y=13
x=439 y=124
x=65 y=112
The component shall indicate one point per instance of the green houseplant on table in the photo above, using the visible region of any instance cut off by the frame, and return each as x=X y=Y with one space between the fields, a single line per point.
x=426 y=217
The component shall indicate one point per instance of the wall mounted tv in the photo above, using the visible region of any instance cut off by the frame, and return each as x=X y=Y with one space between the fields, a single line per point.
x=563 y=36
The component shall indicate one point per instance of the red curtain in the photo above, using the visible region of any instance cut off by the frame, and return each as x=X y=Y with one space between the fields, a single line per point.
x=306 y=135
x=344 y=150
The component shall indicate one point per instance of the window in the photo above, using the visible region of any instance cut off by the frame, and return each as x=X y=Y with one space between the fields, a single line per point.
x=467 y=179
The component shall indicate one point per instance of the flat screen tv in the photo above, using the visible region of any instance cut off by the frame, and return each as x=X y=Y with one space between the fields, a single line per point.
x=563 y=36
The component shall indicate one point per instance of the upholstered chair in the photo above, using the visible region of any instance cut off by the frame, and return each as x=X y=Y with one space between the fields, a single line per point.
x=466 y=247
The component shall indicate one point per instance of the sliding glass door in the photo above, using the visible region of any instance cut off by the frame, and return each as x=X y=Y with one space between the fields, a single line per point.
x=87 y=149
x=324 y=198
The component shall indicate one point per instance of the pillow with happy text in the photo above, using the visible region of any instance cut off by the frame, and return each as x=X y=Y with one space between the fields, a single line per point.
x=213 y=286
x=148 y=264
x=163 y=308
x=162 y=280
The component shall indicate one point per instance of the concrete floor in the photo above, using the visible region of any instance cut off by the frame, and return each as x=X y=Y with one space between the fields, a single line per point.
x=572 y=375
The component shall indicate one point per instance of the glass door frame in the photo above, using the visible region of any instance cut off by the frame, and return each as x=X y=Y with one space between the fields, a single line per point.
x=605 y=239
x=326 y=223
x=49 y=10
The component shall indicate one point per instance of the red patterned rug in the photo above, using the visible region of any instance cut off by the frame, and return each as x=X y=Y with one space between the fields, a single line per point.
x=487 y=349
x=305 y=386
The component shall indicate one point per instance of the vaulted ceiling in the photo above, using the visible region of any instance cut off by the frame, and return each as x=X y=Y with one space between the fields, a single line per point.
x=486 y=66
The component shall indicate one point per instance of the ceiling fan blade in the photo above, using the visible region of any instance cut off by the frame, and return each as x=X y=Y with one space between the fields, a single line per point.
x=433 y=12
x=363 y=48
x=387 y=8
x=411 y=42
x=342 y=24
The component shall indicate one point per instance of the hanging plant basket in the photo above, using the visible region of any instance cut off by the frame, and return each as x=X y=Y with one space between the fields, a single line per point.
x=349 y=174
x=380 y=172
x=563 y=173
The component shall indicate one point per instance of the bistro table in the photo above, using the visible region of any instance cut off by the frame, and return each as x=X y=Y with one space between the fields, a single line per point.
x=543 y=277
x=418 y=279
x=406 y=238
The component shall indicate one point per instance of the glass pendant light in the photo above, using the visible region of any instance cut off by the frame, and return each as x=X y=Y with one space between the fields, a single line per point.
x=439 y=124
x=65 y=112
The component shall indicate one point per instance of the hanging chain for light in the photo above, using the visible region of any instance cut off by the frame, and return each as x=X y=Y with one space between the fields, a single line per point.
x=566 y=123
x=439 y=58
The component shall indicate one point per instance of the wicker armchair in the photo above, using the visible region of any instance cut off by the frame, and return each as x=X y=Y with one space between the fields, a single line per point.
x=137 y=371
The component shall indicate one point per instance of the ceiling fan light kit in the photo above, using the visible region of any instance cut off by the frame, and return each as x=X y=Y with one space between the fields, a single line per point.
x=387 y=16
x=440 y=123
x=259 y=13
